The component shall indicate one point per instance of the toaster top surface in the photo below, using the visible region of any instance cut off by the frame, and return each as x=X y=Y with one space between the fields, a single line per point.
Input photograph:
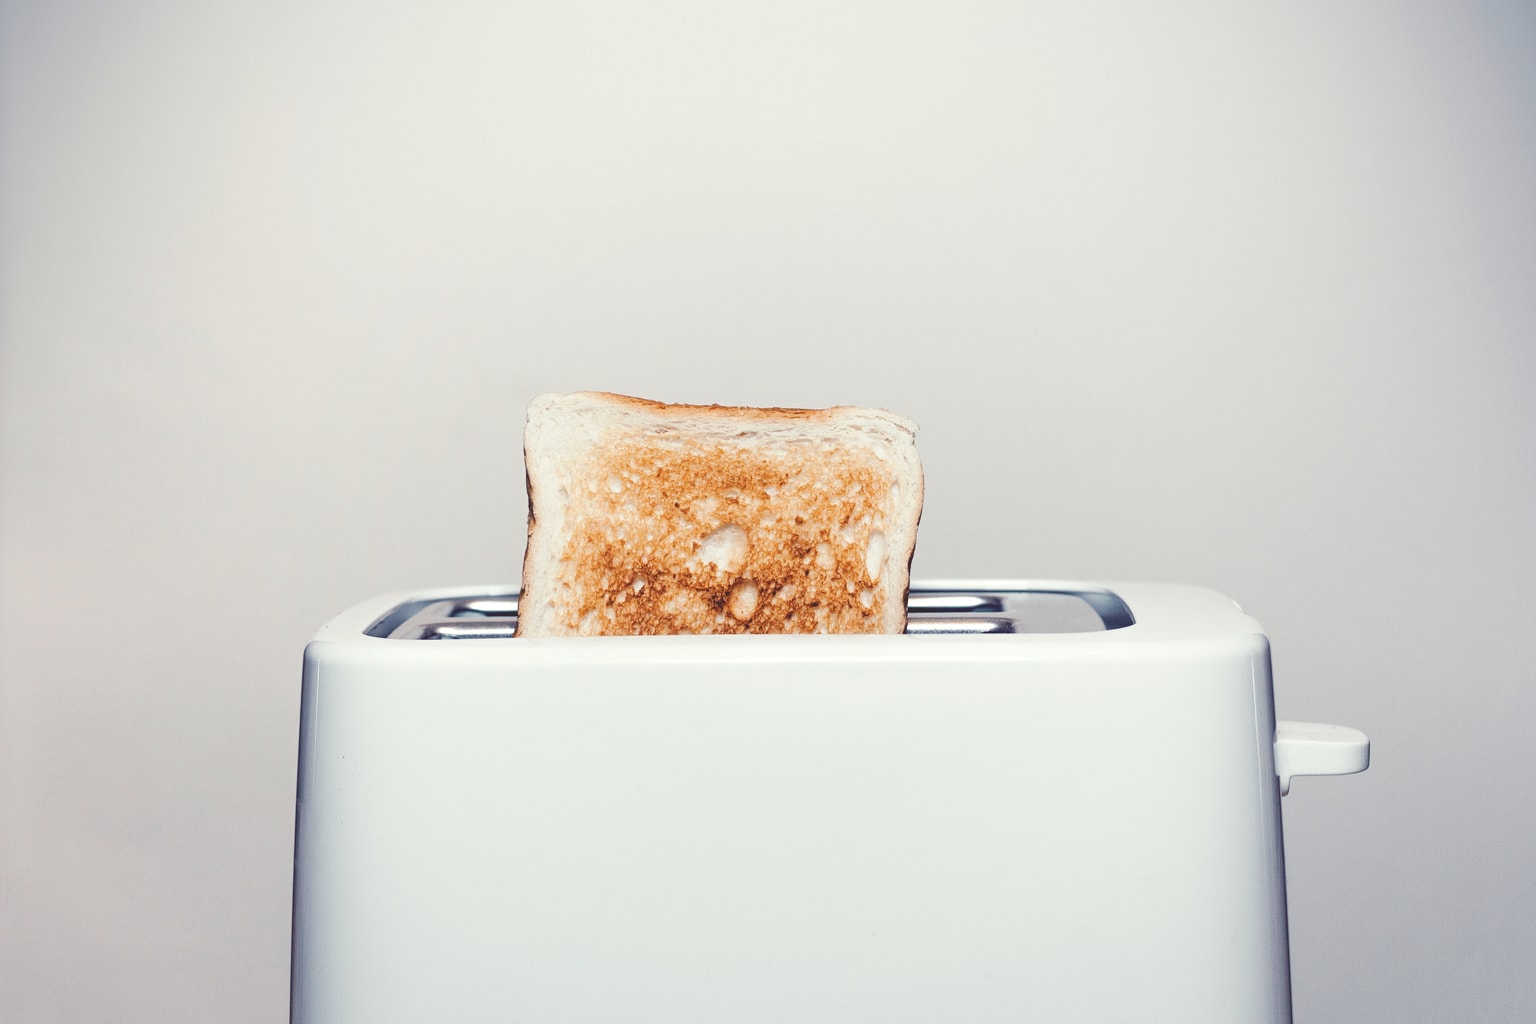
x=963 y=610
x=946 y=617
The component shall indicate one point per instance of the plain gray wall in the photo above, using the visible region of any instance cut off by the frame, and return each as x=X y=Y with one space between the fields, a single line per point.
x=1239 y=295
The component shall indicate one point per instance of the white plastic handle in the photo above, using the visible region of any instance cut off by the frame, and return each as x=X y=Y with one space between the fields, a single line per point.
x=1308 y=748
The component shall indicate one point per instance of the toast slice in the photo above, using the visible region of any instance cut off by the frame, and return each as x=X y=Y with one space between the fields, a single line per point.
x=646 y=518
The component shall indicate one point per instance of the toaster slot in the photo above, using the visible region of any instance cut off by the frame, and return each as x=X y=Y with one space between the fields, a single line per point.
x=929 y=611
x=922 y=602
x=466 y=618
x=917 y=625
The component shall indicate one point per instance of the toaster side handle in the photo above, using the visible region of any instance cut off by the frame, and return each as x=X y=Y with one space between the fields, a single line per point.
x=1310 y=748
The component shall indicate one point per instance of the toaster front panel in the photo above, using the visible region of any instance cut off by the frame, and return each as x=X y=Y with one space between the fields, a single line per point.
x=1083 y=837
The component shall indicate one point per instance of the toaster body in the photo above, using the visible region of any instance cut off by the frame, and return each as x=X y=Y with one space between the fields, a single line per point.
x=1078 y=821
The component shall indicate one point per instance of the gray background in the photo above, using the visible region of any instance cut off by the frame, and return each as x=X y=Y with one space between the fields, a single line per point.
x=1239 y=295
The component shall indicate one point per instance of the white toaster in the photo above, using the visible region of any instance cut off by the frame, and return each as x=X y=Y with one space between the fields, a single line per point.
x=1047 y=802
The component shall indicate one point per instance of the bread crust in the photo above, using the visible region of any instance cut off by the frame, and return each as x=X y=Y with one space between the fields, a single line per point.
x=648 y=518
x=760 y=412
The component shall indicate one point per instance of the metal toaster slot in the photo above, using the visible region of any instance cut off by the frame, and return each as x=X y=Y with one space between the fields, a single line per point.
x=957 y=624
x=471 y=618
x=938 y=602
x=494 y=616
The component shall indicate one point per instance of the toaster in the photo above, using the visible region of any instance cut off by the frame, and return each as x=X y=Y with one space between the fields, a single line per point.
x=1049 y=801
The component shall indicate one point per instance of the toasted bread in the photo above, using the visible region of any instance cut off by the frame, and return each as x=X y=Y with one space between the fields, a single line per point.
x=646 y=518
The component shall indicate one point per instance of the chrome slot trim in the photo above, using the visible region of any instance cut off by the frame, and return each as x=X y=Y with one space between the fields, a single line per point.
x=460 y=629
x=940 y=602
x=494 y=616
x=960 y=624
x=487 y=606
x=506 y=628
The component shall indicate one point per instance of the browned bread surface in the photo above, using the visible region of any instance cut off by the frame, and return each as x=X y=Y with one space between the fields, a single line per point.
x=647 y=518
